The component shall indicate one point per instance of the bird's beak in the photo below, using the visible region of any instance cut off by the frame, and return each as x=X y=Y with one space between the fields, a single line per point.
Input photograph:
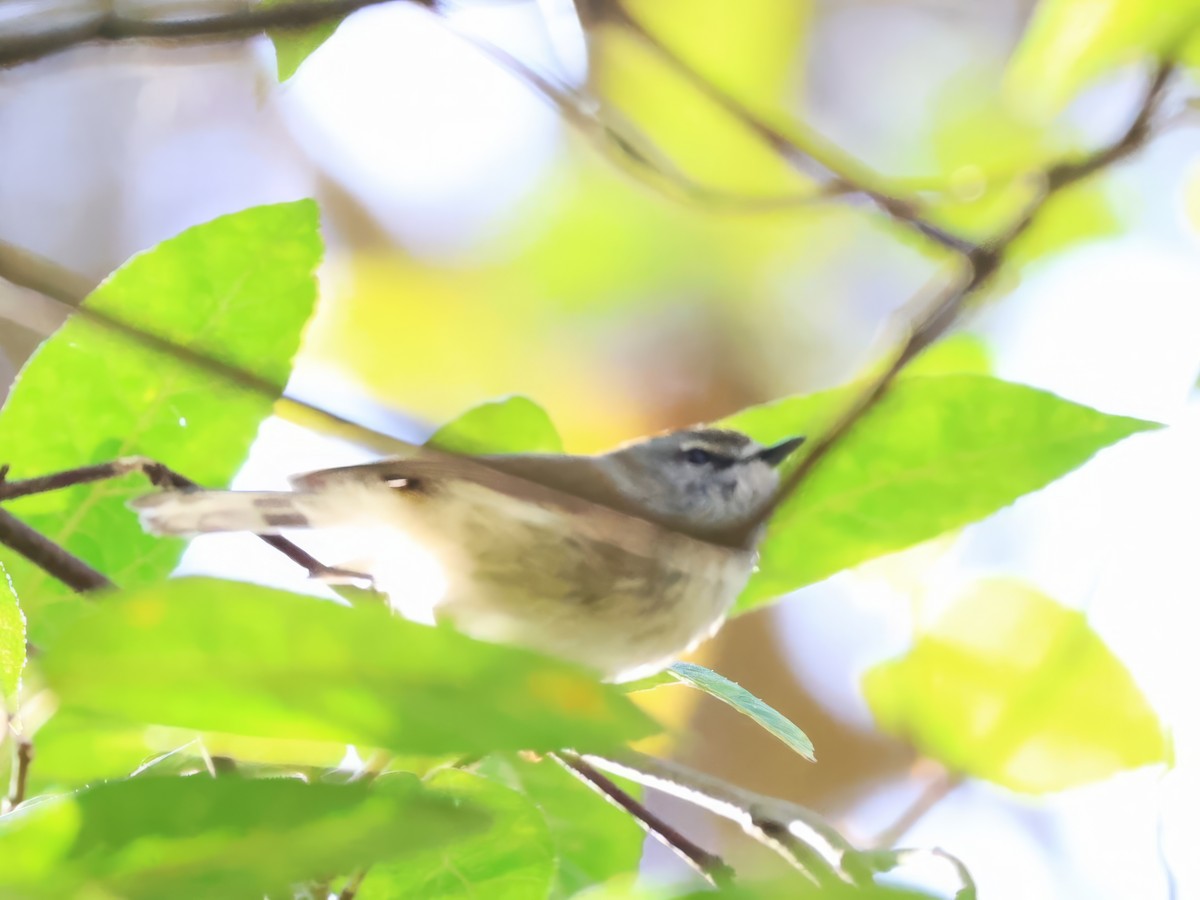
x=781 y=451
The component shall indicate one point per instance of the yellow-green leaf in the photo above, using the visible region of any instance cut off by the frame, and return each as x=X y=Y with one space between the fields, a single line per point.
x=210 y=655
x=934 y=454
x=238 y=289
x=293 y=46
x=12 y=640
x=512 y=860
x=511 y=425
x=1070 y=43
x=201 y=837
x=1014 y=688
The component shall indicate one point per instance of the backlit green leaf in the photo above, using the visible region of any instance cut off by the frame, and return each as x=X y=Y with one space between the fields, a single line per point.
x=200 y=837
x=12 y=640
x=746 y=703
x=934 y=454
x=1012 y=687
x=512 y=860
x=238 y=289
x=248 y=660
x=1070 y=43
x=511 y=425
x=594 y=840
x=293 y=46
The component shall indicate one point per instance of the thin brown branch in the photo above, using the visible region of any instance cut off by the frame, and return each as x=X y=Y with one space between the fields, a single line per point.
x=797 y=834
x=628 y=147
x=159 y=476
x=983 y=263
x=708 y=865
x=48 y=556
x=934 y=793
x=20 y=778
x=68 y=290
x=353 y=883
x=107 y=25
x=812 y=155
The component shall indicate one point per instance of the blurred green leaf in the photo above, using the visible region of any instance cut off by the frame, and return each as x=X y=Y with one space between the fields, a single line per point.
x=958 y=354
x=747 y=704
x=12 y=640
x=293 y=46
x=512 y=860
x=238 y=289
x=115 y=747
x=1070 y=43
x=248 y=660
x=1011 y=687
x=761 y=43
x=510 y=425
x=934 y=454
x=225 y=837
x=796 y=888
x=594 y=840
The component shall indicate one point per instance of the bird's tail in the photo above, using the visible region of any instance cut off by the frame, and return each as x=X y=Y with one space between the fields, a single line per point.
x=203 y=512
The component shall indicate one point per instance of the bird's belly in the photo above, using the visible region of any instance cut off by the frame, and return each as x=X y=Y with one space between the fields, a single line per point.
x=626 y=612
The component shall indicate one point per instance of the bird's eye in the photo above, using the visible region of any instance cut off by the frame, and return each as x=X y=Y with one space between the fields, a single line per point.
x=697 y=456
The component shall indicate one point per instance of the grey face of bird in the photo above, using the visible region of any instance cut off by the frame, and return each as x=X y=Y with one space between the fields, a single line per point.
x=711 y=478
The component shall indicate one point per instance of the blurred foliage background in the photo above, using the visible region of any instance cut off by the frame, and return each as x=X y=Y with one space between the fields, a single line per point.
x=478 y=245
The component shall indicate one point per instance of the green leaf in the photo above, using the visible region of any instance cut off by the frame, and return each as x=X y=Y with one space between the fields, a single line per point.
x=12 y=640
x=795 y=888
x=958 y=354
x=1070 y=43
x=293 y=46
x=247 y=660
x=594 y=840
x=934 y=454
x=512 y=860
x=238 y=289
x=511 y=425
x=1011 y=687
x=747 y=704
x=227 y=837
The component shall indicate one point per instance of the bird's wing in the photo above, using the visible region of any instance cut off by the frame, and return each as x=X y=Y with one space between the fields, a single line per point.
x=571 y=484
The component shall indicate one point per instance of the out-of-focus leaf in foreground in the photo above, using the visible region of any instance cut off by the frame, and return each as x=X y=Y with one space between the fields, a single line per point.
x=1016 y=689
x=219 y=838
x=594 y=840
x=12 y=640
x=512 y=860
x=1070 y=43
x=510 y=425
x=746 y=703
x=796 y=888
x=293 y=46
x=934 y=454
x=238 y=289
x=247 y=660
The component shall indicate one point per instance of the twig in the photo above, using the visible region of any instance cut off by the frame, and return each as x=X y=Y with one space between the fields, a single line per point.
x=20 y=779
x=815 y=158
x=933 y=794
x=708 y=865
x=158 y=475
x=109 y=26
x=983 y=262
x=804 y=839
x=628 y=146
x=887 y=860
x=49 y=556
x=353 y=883
x=64 y=288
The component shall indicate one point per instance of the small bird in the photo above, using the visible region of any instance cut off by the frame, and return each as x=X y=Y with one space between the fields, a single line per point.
x=621 y=561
